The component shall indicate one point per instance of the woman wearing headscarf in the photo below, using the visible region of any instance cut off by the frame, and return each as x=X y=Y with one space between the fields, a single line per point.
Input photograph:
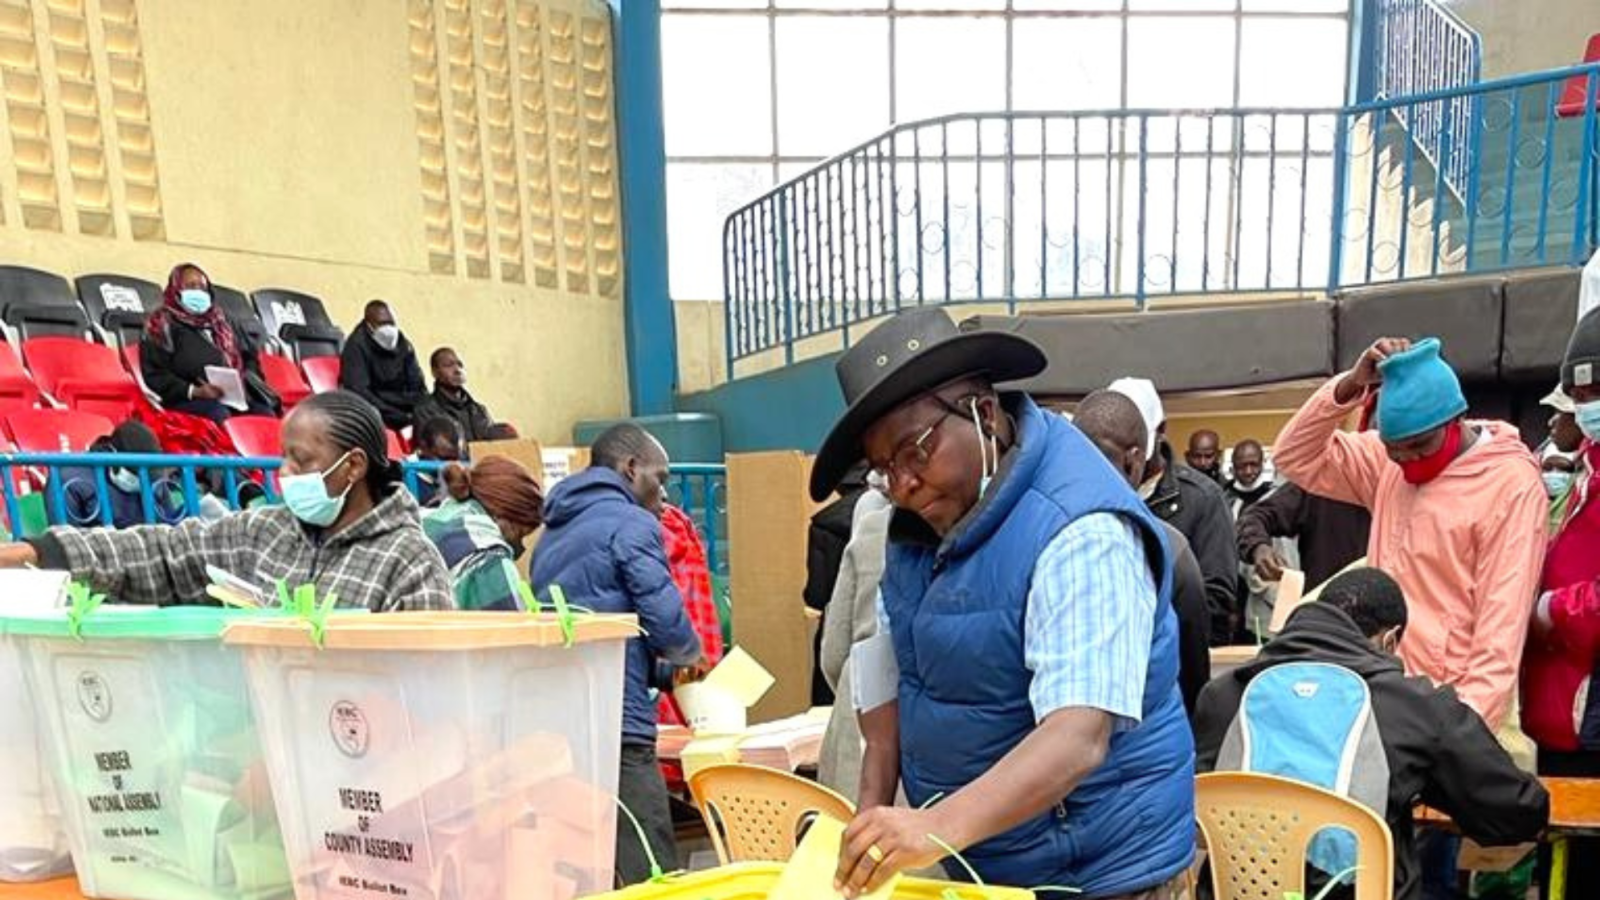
x=189 y=333
x=482 y=530
x=346 y=525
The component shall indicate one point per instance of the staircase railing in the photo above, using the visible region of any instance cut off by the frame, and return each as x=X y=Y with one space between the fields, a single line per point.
x=1043 y=209
x=1424 y=47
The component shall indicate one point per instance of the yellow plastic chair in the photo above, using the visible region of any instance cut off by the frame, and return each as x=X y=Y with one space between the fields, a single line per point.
x=1258 y=827
x=756 y=814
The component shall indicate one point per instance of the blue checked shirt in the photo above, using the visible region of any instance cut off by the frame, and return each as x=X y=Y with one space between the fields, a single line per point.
x=1091 y=614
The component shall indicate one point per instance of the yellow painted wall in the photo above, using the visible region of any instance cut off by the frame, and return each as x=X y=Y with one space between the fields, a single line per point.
x=702 y=354
x=455 y=157
x=1528 y=35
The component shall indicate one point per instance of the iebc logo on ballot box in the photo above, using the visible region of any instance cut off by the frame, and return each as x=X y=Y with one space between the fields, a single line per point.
x=348 y=725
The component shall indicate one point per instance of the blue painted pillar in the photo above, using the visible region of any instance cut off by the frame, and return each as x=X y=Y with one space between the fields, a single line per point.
x=648 y=323
x=1362 y=84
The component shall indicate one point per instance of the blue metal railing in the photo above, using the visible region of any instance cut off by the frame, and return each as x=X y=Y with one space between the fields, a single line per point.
x=1423 y=47
x=1530 y=193
x=172 y=488
x=1030 y=208
x=701 y=490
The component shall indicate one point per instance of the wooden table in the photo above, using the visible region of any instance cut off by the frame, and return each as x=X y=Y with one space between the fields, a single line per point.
x=1574 y=812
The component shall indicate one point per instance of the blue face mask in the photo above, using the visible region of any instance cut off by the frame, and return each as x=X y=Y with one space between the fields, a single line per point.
x=195 y=301
x=1556 y=483
x=307 y=496
x=1588 y=416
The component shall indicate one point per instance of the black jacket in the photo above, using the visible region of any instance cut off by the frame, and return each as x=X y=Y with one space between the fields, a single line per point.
x=1439 y=751
x=1193 y=504
x=472 y=416
x=391 y=379
x=1194 y=619
x=1332 y=534
x=825 y=542
x=171 y=371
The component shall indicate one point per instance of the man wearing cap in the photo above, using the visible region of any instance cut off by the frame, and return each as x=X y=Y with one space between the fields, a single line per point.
x=1561 y=708
x=1565 y=434
x=1031 y=706
x=1458 y=512
x=1193 y=503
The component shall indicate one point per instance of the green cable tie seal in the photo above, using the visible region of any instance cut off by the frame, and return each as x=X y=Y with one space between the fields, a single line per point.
x=656 y=875
x=84 y=602
x=303 y=603
x=564 y=615
x=951 y=893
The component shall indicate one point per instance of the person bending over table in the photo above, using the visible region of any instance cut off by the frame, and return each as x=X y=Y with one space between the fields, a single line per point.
x=1034 y=719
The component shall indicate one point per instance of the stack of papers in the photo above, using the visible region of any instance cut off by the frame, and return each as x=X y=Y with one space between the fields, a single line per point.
x=786 y=744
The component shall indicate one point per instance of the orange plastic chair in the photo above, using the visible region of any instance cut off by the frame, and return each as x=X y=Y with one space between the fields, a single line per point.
x=1257 y=829
x=762 y=813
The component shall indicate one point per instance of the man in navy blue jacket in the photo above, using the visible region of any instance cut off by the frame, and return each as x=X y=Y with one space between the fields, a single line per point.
x=602 y=544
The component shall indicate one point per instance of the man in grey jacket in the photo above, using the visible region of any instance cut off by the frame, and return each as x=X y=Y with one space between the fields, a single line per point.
x=852 y=617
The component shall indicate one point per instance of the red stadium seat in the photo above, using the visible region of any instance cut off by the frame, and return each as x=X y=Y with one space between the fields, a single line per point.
x=256 y=435
x=17 y=390
x=55 y=430
x=284 y=377
x=1575 y=95
x=322 y=372
x=84 y=376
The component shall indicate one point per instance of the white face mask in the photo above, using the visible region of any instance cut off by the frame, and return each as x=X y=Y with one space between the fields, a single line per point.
x=1148 y=489
x=124 y=480
x=387 y=336
x=988 y=448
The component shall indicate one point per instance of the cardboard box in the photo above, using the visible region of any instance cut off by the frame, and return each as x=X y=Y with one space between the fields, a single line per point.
x=522 y=450
x=769 y=511
x=560 y=462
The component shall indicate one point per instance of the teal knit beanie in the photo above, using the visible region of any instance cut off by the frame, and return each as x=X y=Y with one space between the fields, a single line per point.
x=1420 y=392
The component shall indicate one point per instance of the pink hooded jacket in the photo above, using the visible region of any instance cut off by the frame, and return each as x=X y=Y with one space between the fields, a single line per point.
x=1467 y=547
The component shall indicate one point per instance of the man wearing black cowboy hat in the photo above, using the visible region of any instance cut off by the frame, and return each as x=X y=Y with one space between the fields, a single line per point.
x=1034 y=718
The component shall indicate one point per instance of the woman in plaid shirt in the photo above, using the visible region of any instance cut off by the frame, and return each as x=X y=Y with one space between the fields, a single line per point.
x=347 y=526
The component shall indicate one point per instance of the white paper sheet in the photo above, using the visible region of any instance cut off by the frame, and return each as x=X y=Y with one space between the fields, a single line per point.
x=232 y=386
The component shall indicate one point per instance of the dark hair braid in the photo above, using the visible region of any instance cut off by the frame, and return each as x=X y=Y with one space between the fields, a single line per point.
x=355 y=424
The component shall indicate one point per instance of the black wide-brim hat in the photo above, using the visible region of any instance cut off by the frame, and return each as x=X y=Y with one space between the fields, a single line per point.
x=907 y=356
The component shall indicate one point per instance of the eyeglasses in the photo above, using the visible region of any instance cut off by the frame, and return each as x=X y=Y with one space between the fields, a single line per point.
x=912 y=458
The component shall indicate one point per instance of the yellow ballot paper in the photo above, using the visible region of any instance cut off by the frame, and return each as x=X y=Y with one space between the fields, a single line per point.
x=809 y=873
x=1291 y=595
x=718 y=704
x=741 y=677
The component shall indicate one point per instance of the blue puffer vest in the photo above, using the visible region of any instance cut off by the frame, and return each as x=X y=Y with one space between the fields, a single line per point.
x=956 y=617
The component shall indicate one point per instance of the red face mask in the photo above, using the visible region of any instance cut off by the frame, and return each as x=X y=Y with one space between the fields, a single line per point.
x=1425 y=469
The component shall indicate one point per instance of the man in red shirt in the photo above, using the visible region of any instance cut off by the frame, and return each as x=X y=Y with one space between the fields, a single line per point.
x=686 y=556
x=1560 y=710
